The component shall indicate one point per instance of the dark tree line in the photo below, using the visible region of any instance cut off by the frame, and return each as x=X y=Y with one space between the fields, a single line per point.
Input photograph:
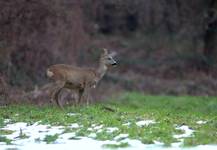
x=151 y=36
x=210 y=37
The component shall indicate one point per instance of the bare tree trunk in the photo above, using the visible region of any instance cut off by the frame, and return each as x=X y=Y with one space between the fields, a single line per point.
x=210 y=37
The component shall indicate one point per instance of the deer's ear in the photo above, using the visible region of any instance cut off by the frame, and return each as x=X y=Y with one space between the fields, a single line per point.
x=105 y=51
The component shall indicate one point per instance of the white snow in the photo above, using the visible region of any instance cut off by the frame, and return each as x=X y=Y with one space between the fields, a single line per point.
x=92 y=135
x=7 y=121
x=38 y=131
x=89 y=129
x=126 y=124
x=111 y=129
x=206 y=147
x=201 y=122
x=121 y=136
x=72 y=114
x=100 y=130
x=93 y=125
x=87 y=143
x=98 y=127
x=187 y=132
x=158 y=143
x=145 y=122
x=74 y=125
x=35 y=131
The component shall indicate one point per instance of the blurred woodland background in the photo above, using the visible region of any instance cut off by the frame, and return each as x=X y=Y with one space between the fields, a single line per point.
x=163 y=46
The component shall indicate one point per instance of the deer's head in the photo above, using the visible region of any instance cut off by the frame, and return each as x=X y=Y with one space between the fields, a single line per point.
x=107 y=58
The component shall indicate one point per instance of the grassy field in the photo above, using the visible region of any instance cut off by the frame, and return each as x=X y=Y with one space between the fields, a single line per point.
x=142 y=117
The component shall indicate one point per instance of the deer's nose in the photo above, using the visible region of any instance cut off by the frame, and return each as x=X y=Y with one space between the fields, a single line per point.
x=114 y=64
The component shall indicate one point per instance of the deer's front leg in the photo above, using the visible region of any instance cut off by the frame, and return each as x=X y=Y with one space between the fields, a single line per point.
x=86 y=98
x=80 y=95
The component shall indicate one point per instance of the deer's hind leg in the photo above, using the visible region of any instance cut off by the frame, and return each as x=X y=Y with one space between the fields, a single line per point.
x=59 y=85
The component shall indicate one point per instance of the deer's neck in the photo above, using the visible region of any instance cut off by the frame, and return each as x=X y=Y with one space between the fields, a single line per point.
x=101 y=71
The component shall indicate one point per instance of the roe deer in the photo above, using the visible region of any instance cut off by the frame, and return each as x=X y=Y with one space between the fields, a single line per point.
x=79 y=79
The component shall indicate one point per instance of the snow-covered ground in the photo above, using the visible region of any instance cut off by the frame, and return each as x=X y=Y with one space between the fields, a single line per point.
x=145 y=122
x=36 y=132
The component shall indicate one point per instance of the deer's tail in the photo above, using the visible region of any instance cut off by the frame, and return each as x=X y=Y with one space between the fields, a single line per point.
x=49 y=73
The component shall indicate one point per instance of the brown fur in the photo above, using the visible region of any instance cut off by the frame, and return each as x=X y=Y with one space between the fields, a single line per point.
x=78 y=79
x=69 y=74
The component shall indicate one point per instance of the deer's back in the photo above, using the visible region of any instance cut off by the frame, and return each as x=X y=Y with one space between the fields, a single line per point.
x=71 y=74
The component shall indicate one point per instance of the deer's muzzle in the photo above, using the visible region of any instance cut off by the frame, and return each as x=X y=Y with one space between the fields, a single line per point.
x=114 y=64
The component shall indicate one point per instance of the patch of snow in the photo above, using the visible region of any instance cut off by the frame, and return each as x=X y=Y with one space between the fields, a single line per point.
x=145 y=122
x=66 y=141
x=177 y=144
x=7 y=121
x=35 y=131
x=121 y=136
x=158 y=143
x=82 y=144
x=92 y=135
x=126 y=124
x=111 y=129
x=72 y=114
x=93 y=125
x=199 y=147
x=89 y=129
x=203 y=147
x=187 y=132
x=98 y=127
x=74 y=125
x=87 y=143
x=64 y=137
x=201 y=122
x=100 y=130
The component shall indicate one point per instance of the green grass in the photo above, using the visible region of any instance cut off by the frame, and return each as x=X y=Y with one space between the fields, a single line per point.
x=50 y=138
x=5 y=140
x=167 y=111
x=6 y=132
x=114 y=146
